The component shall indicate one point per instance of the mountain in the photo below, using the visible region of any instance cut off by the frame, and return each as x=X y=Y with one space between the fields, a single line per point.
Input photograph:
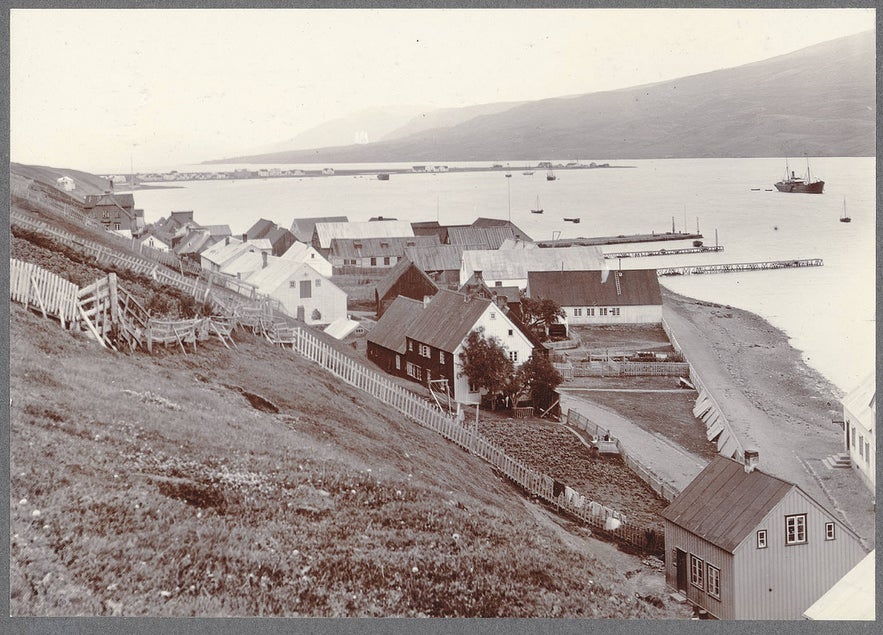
x=820 y=100
x=448 y=117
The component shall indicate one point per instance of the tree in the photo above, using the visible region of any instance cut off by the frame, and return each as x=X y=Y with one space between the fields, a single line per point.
x=485 y=362
x=538 y=378
x=540 y=312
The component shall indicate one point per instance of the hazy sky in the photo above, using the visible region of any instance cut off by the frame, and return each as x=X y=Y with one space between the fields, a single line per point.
x=94 y=89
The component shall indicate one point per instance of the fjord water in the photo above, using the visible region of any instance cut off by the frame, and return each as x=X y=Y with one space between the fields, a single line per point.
x=828 y=311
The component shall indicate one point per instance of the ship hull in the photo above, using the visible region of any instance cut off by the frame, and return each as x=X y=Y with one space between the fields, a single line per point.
x=815 y=187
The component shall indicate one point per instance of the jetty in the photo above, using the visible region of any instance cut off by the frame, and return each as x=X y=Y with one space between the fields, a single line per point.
x=739 y=266
x=664 y=252
x=616 y=240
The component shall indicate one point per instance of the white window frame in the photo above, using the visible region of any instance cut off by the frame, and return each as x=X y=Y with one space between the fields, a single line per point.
x=577 y=312
x=473 y=388
x=761 y=539
x=795 y=529
x=713 y=575
x=697 y=577
x=602 y=311
x=513 y=356
x=441 y=358
x=493 y=315
x=614 y=310
x=590 y=311
x=424 y=351
x=830 y=531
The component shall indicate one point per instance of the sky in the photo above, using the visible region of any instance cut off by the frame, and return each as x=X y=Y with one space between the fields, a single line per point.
x=103 y=90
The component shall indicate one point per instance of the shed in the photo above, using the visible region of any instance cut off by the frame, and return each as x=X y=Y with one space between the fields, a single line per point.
x=343 y=327
x=743 y=544
x=405 y=279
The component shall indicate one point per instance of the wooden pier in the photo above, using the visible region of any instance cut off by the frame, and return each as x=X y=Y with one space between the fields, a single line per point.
x=664 y=252
x=616 y=240
x=739 y=266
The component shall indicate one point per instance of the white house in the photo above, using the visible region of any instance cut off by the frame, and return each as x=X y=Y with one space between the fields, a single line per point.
x=219 y=255
x=155 y=241
x=509 y=267
x=66 y=183
x=306 y=253
x=301 y=290
x=600 y=296
x=859 y=411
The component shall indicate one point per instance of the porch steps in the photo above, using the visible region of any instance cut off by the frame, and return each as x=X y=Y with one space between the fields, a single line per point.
x=840 y=460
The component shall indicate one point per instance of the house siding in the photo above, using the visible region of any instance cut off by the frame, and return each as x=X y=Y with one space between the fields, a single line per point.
x=679 y=538
x=328 y=299
x=386 y=359
x=782 y=581
x=864 y=462
x=412 y=284
x=646 y=314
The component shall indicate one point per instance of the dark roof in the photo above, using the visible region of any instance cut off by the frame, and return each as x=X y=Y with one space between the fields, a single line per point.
x=275 y=234
x=388 y=281
x=447 y=320
x=436 y=258
x=430 y=228
x=123 y=201
x=480 y=237
x=218 y=230
x=260 y=229
x=584 y=288
x=378 y=247
x=724 y=504
x=302 y=228
x=501 y=222
x=389 y=332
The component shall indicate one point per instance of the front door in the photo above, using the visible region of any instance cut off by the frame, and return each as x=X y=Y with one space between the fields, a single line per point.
x=681 y=569
x=300 y=313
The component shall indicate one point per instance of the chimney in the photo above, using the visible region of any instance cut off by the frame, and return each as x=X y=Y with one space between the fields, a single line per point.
x=264 y=254
x=226 y=240
x=426 y=300
x=750 y=460
x=604 y=273
x=245 y=238
x=477 y=275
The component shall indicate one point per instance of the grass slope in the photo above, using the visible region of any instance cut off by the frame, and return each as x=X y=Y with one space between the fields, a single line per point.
x=153 y=486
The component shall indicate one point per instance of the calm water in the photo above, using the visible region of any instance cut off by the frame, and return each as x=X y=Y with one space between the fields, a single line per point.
x=828 y=311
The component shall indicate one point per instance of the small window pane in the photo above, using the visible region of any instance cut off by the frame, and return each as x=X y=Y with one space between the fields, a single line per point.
x=761 y=539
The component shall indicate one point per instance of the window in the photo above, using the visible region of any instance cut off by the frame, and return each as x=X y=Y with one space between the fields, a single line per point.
x=498 y=283
x=614 y=311
x=306 y=289
x=761 y=538
x=513 y=356
x=696 y=567
x=577 y=312
x=415 y=371
x=386 y=260
x=441 y=357
x=590 y=312
x=425 y=351
x=867 y=453
x=829 y=531
x=410 y=345
x=853 y=436
x=473 y=387
x=861 y=445
x=398 y=362
x=795 y=529
x=510 y=333
x=116 y=225
x=714 y=581
x=373 y=262
x=318 y=282
x=602 y=311
x=493 y=315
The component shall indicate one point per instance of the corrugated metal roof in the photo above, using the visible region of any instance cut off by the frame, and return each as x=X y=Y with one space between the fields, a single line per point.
x=436 y=258
x=513 y=264
x=244 y=263
x=639 y=287
x=194 y=242
x=341 y=327
x=218 y=230
x=502 y=222
x=260 y=229
x=724 y=503
x=378 y=247
x=480 y=237
x=447 y=320
x=389 y=332
x=366 y=229
x=389 y=280
x=852 y=597
x=302 y=228
x=862 y=401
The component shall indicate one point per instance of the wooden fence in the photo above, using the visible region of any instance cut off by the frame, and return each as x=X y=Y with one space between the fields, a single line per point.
x=602 y=519
x=630 y=369
x=34 y=286
x=663 y=489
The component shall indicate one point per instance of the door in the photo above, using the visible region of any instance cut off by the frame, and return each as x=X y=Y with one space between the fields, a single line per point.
x=300 y=313
x=681 y=569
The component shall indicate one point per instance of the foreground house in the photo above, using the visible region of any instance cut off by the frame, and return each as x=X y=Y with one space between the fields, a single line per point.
x=859 y=413
x=405 y=279
x=600 y=296
x=742 y=544
x=387 y=343
x=301 y=290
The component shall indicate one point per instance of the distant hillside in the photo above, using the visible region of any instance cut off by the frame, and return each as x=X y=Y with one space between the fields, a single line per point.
x=85 y=183
x=448 y=117
x=820 y=100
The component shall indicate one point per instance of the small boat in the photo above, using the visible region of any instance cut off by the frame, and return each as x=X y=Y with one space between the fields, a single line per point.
x=508 y=175
x=755 y=189
x=383 y=176
x=550 y=176
x=528 y=173
x=572 y=220
x=697 y=243
x=798 y=185
x=537 y=209
x=843 y=217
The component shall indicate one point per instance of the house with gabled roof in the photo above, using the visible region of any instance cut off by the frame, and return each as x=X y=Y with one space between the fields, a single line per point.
x=502 y=222
x=324 y=233
x=303 y=228
x=155 y=240
x=116 y=212
x=280 y=238
x=600 y=296
x=302 y=291
x=436 y=339
x=509 y=267
x=374 y=253
x=216 y=257
x=305 y=252
x=440 y=262
x=469 y=237
x=387 y=343
x=859 y=417
x=405 y=279
x=743 y=544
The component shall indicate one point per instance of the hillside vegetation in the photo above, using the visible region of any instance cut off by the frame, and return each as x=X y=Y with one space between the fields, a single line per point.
x=819 y=101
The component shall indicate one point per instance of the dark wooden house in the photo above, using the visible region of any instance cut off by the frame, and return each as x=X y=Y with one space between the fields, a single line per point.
x=386 y=341
x=280 y=238
x=742 y=544
x=405 y=279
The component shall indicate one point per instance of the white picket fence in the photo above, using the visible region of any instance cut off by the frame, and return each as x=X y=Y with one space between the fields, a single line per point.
x=34 y=286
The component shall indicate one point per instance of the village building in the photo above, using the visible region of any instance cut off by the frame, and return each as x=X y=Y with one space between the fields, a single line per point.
x=116 y=212
x=405 y=279
x=246 y=261
x=430 y=228
x=742 y=544
x=303 y=228
x=304 y=252
x=504 y=297
x=217 y=257
x=155 y=241
x=859 y=414
x=387 y=343
x=345 y=328
x=480 y=238
x=324 y=233
x=520 y=234
x=600 y=296
x=280 y=238
x=509 y=267
x=374 y=253
x=440 y=262
x=852 y=598
x=66 y=183
x=301 y=290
